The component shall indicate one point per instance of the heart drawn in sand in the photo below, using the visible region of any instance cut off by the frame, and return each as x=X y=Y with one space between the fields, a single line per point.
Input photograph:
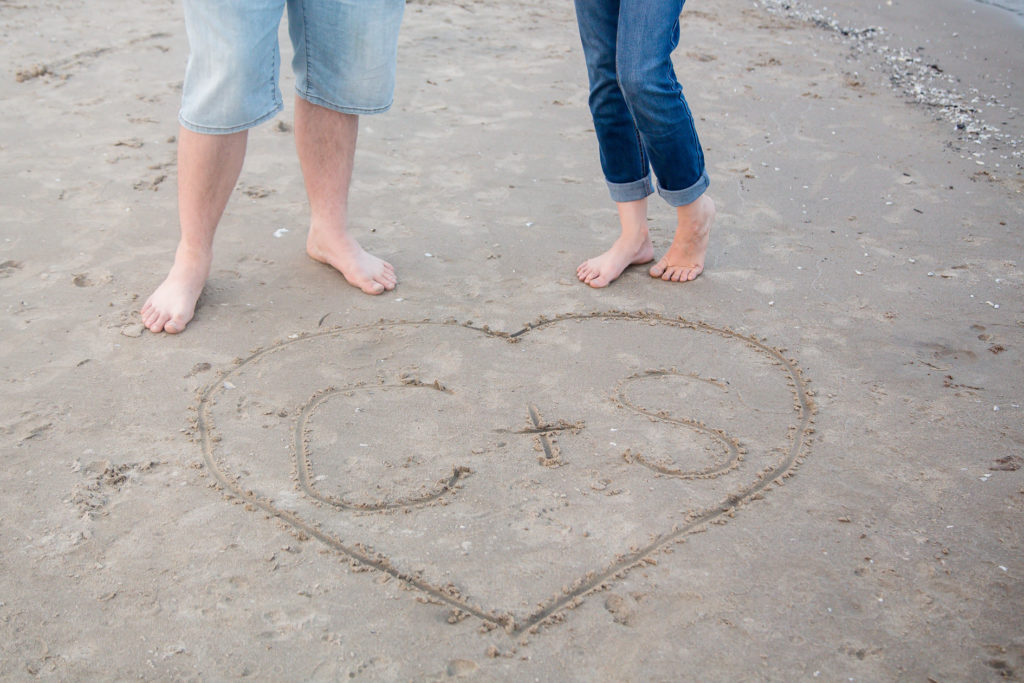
x=506 y=475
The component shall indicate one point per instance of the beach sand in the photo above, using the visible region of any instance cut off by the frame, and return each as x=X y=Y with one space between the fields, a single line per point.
x=804 y=465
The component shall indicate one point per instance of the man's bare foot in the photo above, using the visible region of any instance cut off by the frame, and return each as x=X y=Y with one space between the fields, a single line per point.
x=684 y=260
x=171 y=307
x=343 y=253
x=602 y=270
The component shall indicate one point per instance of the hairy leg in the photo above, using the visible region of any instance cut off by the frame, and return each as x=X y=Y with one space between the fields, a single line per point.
x=632 y=247
x=684 y=260
x=208 y=168
x=326 y=143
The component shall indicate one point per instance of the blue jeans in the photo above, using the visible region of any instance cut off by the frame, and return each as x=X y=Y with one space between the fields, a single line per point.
x=345 y=55
x=640 y=115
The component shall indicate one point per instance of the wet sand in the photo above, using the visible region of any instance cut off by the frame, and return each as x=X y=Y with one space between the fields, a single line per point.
x=804 y=465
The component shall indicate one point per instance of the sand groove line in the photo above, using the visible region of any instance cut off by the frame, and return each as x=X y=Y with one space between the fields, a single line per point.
x=592 y=581
x=304 y=463
x=380 y=563
x=770 y=476
x=80 y=58
x=734 y=452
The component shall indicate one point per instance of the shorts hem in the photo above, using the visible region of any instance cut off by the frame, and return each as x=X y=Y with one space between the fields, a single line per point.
x=227 y=130
x=344 y=109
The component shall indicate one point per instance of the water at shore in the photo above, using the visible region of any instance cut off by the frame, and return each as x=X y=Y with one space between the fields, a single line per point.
x=959 y=57
x=1015 y=6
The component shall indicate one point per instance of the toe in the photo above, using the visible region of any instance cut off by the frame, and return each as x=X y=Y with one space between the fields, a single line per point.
x=156 y=324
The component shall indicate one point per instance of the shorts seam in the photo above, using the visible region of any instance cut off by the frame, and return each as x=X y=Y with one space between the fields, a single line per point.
x=305 y=48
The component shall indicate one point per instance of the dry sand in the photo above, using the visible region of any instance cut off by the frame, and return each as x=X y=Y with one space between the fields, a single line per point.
x=494 y=471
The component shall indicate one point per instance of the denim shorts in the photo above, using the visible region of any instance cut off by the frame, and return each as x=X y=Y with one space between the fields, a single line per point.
x=345 y=55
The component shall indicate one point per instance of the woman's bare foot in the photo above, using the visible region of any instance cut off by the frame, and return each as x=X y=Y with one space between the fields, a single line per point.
x=602 y=270
x=343 y=253
x=632 y=247
x=684 y=260
x=171 y=307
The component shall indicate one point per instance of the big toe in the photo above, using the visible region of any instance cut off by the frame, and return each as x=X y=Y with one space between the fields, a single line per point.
x=587 y=272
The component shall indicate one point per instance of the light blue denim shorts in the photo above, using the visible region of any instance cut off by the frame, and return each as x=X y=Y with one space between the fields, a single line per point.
x=345 y=55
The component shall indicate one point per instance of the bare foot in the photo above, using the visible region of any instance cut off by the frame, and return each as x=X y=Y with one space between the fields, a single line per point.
x=360 y=268
x=602 y=270
x=171 y=307
x=684 y=260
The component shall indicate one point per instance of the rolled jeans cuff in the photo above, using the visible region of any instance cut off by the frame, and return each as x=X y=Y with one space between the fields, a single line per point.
x=631 y=191
x=687 y=195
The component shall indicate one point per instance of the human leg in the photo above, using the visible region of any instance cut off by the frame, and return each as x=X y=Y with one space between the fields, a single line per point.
x=623 y=159
x=208 y=168
x=326 y=144
x=230 y=85
x=345 y=57
x=648 y=33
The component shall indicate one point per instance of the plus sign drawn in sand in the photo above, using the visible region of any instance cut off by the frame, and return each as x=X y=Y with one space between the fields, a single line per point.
x=507 y=475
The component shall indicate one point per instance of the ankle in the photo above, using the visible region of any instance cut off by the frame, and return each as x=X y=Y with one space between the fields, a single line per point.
x=634 y=236
x=193 y=258
x=698 y=210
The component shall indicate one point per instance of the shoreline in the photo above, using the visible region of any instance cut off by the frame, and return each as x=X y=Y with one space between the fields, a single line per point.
x=960 y=60
x=1017 y=9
